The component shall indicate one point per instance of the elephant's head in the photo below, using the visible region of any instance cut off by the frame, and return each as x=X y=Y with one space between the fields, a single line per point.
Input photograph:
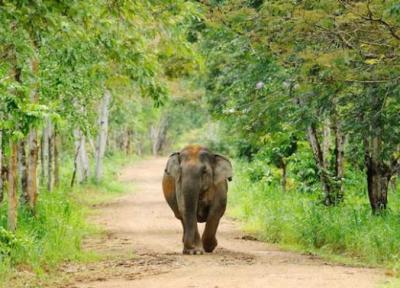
x=196 y=169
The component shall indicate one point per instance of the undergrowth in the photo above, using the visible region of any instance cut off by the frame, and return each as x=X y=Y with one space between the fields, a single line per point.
x=54 y=235
x=298 y=220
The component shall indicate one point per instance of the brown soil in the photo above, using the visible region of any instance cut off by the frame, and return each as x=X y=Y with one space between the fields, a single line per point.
x=143 y=240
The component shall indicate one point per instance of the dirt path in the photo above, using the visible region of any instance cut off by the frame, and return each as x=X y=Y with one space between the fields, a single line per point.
x=142 y=230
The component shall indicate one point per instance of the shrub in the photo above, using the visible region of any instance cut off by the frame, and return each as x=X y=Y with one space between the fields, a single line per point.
x=299 y=220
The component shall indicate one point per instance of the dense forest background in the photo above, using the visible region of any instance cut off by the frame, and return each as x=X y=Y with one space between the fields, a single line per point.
x=304 y=95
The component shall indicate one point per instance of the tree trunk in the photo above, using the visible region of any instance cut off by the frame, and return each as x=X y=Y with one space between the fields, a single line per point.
x=326 y=143
x=32 y=189
x=44 y=156
x=23 y=171
x=81 y=162
x=4 y=176
x=378 y=172
x=56 y=170
x=128 y=141
x=340 y=139
x=1 y=167
x=102 y=136
x=319 y=159
x=158 y=135
x=50 y=156
x=92 y=145
x=33 y=147
x=75 y=171
x=284 y=174
x=12 y=187
x=378 y=176
x=378 y=181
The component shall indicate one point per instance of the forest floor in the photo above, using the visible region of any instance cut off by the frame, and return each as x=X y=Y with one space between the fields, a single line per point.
x=142 y=244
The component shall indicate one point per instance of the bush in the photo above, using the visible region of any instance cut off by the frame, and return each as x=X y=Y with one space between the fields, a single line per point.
x=55 y=233
x=298 y=220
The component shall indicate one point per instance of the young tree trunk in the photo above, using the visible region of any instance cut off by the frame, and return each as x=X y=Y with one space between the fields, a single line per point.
x=32 y=189
x=4 y=176
x=319 y=159
x=378 y=182
x=1 y=167
x=378 y=172
x=50 y=156
x=378 y=176
x=340 y=139
x=75 y=171
x=44 y=157
x=128 y=141
x=102 y=136
x=23 y=171
x=158 y=135
x=91 y=144
x=33 y=147
x=12 y=187
x=326 y=142
x=81 y=162
x=284 y=172
x=56 y=171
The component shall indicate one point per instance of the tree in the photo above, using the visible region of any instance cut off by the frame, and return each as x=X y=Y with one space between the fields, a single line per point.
x=59 y=59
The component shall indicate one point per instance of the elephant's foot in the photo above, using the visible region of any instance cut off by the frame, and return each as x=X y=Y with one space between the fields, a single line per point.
x=193 y=251
x=210 y=244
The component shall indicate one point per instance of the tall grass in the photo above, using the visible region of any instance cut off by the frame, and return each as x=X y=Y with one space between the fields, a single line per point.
x=55 y=233
x=298 y=220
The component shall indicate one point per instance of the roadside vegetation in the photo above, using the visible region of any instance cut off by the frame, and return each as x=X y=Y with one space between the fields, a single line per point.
x=55 y=234
x=346 y=233
x=80 y=83
x=305 y=95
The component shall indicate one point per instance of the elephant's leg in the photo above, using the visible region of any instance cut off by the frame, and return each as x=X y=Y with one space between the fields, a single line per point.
x=197 y=239
x=209 y=240
x=191 y=240
x=216 y=211
x=191 y=236
x=183 y=229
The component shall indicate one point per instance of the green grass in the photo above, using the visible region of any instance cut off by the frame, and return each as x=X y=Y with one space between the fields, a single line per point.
x=56 y=232
x=296 y=220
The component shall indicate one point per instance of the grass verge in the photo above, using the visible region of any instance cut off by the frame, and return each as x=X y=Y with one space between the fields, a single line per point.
x=347 y=233
x=54 y=235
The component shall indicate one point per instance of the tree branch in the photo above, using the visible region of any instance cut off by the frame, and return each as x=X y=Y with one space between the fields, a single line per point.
x=371 y=18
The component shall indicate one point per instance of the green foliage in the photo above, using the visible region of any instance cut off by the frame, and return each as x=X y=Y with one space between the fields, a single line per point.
x=9 y=243
x=52 y=236
x=299 y=221
x=281 y=69
x=55 y=233
x=66 y=54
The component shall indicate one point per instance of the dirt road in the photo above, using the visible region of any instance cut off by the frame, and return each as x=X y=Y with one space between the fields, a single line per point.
x=142 y=230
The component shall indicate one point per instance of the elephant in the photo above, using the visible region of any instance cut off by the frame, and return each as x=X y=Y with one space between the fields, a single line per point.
x=195 y=187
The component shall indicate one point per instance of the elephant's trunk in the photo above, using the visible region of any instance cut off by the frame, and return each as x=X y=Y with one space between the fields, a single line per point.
x=190 y=189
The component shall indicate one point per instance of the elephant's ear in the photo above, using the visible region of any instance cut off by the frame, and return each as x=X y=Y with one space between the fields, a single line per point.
x=173 y=165
x=222 y=169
